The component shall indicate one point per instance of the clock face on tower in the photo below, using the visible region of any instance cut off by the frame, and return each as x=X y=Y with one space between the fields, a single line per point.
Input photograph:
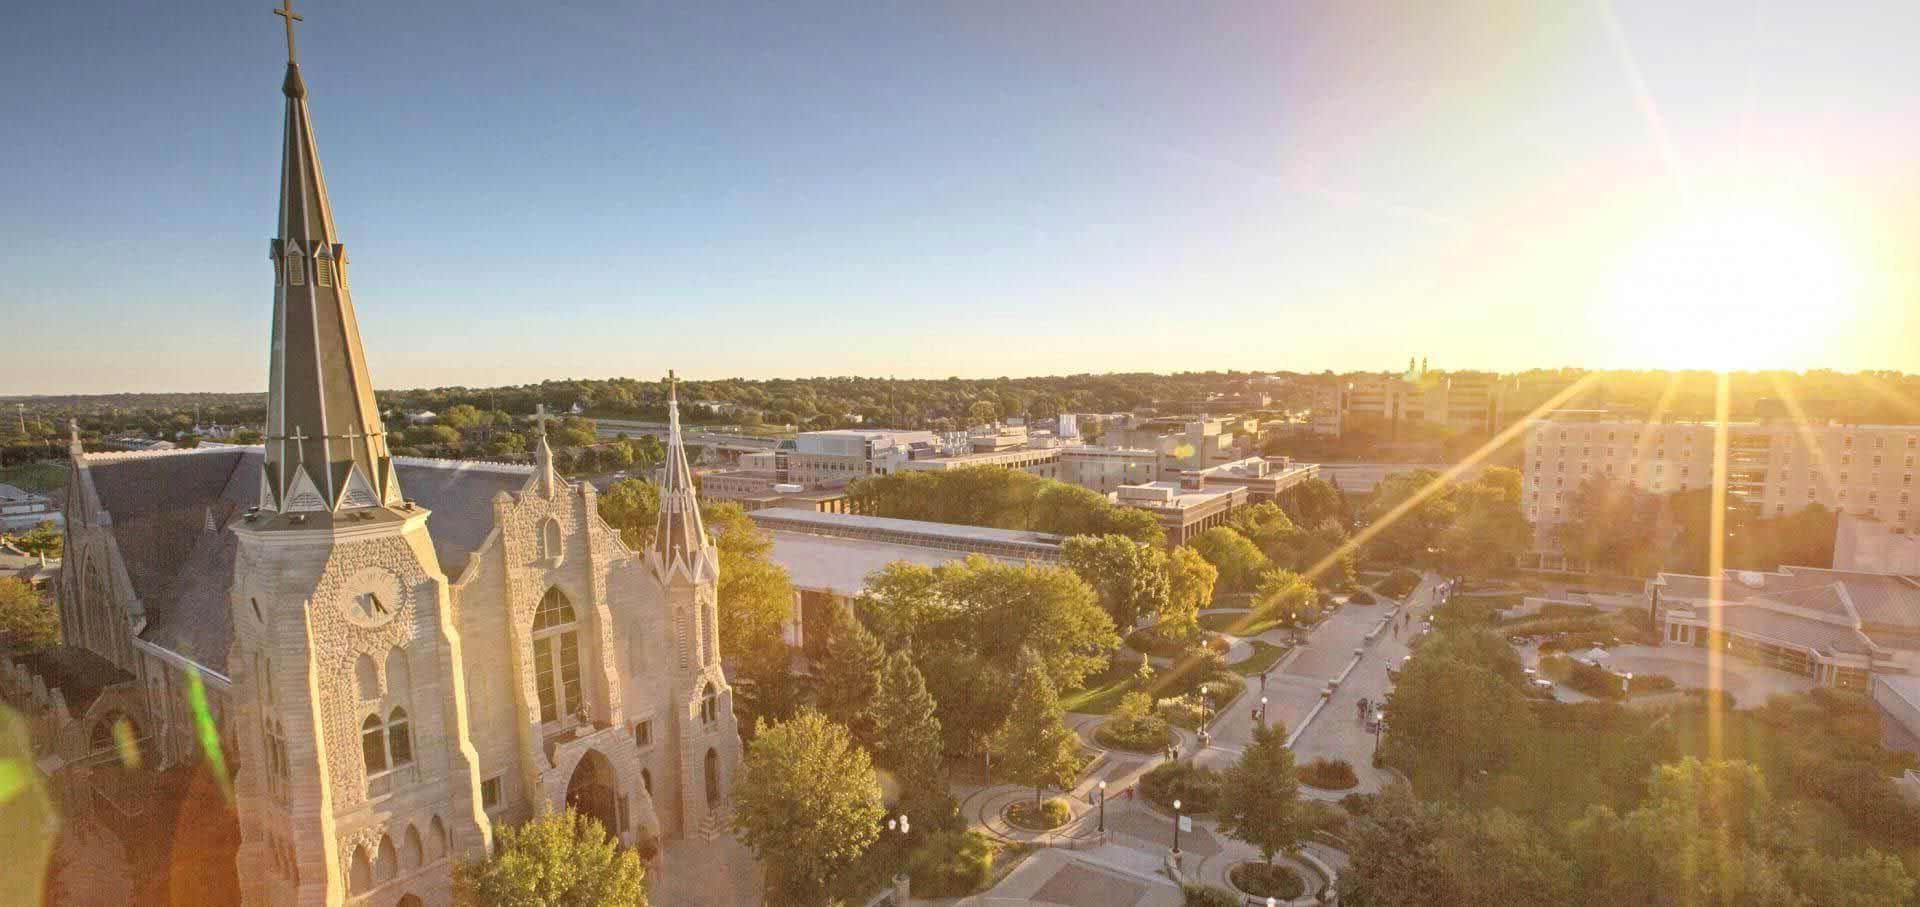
x=371 y=597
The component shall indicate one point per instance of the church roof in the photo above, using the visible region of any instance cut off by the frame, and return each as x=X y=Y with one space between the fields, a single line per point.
x=680 y=534
x=163 y=503
x=79 y=674
x=326 y=446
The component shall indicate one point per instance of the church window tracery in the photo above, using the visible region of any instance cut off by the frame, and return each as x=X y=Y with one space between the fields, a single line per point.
x=556 y=657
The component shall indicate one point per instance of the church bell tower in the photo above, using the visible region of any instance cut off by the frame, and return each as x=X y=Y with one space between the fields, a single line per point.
x=356 y=768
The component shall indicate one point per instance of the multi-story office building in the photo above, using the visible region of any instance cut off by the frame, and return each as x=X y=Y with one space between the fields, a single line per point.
x=1042 y=462
x=1775 y=468
x=1263 y=477
x=1459 y=401
x=822 y=457
x=1105 y=469
x=1185 y=508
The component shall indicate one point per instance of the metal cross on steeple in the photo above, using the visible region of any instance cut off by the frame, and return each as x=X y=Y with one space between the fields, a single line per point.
x=286 y=12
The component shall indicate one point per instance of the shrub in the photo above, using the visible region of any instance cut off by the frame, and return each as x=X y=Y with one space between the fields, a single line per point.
x=1329 y=774
x=952 y=864
x=1319 y=815
x=1398 y=583
x=1277 y=880
x=1197 y=788
x=1209 y=896
x=1158 y=640
x=1050 y=814
x=1185 y=711
x=1134 y=726
x=1358 y=804
x=1361 y=597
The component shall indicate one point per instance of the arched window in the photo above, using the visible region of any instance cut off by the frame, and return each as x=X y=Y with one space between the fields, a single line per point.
x=556 y=657
x=387 y=865
x=399 y=737
x=438 y=833
x=366 y=678
x=101 y=740
x=646 y=781
x=399 y=679
x=713 y=778
x=709 y=705
x=373 y=745
x=360 y=877
x=411 y=850
x=550 y=544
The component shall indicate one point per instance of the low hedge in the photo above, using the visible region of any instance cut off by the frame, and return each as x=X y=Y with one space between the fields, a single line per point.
x=1156 y=641
x=1398 y=583
x=1362 y=597
x=1268 y=880
x=1048 y=815
x=1196 y=787
x=1329 y=774
x=1209 y=896
x=1148 y=734
x=952 y=864
x=1599 y=682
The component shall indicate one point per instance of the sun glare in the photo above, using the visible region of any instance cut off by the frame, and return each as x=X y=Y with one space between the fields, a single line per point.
x=1740 y=290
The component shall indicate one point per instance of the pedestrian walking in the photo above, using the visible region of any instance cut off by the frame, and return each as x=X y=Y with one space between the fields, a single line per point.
x=1263 y=681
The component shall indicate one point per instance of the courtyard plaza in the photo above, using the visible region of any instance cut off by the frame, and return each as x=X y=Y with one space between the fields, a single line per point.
x=1125 y=867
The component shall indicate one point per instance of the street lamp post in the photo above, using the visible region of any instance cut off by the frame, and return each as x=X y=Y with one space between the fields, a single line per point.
x=902 y=881
x=1263 y=713
x=1103 y=806
x=1176 y=828
x=1293 y=626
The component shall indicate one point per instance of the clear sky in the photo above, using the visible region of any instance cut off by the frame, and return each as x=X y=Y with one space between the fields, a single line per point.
x=534 y=190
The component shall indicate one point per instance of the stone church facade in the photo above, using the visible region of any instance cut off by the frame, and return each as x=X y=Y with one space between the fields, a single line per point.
x=393 y=656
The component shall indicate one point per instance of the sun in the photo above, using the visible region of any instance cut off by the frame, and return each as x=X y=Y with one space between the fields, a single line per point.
x=1740 y=289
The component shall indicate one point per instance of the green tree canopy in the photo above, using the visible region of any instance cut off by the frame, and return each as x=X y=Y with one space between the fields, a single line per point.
x=1190 y=581
x=632 y=506
x=850 y=678
x=1130 y=577
x=1237 y=559
x=808 y=802
x=1036 y=747
x=559 y=859
x=1260 y=796
x=28 y=621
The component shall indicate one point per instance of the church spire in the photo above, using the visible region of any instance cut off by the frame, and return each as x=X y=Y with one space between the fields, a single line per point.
x=680 y=534
x=546 y=477
x=326 y=446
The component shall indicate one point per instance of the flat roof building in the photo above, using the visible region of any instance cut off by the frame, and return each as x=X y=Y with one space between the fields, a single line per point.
x=1184 y=509
x=1836 y=627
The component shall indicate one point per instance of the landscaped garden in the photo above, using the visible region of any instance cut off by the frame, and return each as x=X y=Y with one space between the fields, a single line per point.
x=1329 y=774
x=1134 y=726
x=1264 y=880
x=1046 y=815
x=1265 y=656
x=1196 y=787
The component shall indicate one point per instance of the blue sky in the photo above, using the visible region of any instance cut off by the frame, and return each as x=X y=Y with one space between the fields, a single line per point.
x=539 y=191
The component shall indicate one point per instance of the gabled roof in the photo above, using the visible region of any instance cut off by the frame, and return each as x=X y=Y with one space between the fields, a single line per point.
x=182 y=571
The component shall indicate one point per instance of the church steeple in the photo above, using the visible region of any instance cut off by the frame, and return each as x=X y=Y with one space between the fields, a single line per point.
x=326 y=445
x=681 y=537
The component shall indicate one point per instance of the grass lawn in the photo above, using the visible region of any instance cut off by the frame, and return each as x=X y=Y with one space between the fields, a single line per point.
x=1265 y=655
x=35 y=476
x=1237 y=624
x=1102 y=691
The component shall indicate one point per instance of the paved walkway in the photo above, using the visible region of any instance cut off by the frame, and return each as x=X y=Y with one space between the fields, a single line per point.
x=1126 y=865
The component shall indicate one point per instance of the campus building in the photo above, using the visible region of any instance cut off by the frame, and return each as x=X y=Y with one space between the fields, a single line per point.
x=1185 y=508
x=393 y=655
x=1838 y=628
x=842 y=455
x=1774 y=468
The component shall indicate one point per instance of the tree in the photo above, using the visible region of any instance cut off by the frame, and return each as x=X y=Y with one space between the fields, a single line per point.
x=559 y=858
x=1409 y=536
x=1236 y=558
x=755 y=599
x=850 y=678
x=1490 y=528
x=983 y=412
x=1312 y=502
x=1036 y=746
x=1129 y=577
x=808 y=802
x=1408 y=853
x=907 y=741
x=1259 y=795
x=1190 y=582
x=1284 y=593
x=28 y=622
x=42 y=539
x=1454 y=719
x=1610 y=525
x=632 y=506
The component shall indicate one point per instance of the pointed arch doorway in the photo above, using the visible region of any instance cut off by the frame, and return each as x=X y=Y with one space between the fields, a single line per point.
x=594 y=791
